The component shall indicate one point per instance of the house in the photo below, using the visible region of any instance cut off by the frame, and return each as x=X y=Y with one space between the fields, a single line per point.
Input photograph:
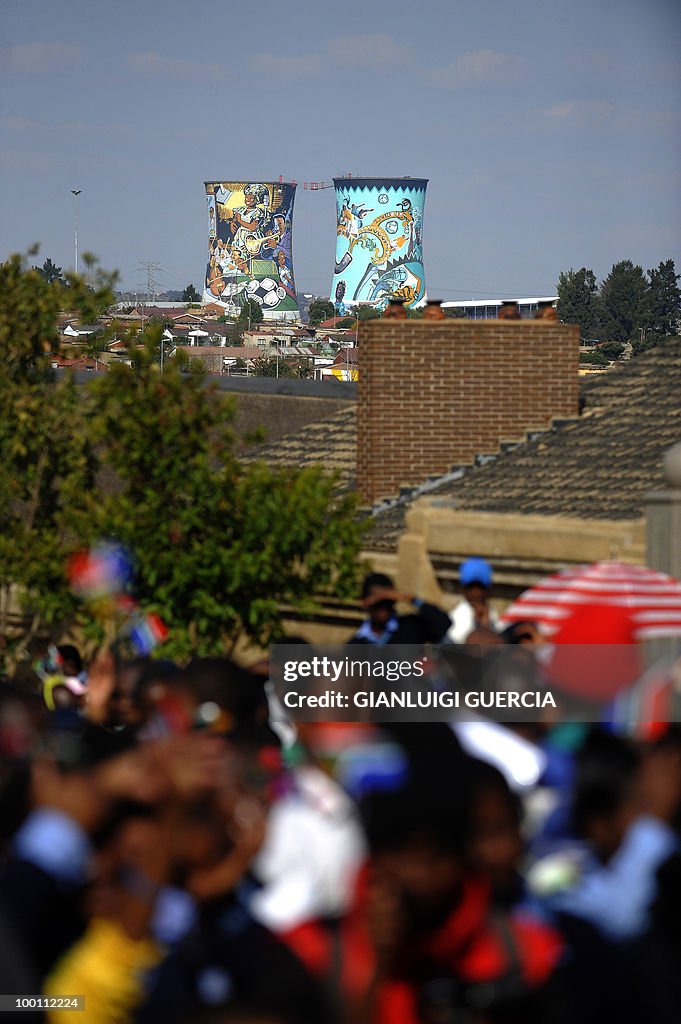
x=332 y=323
x=81 y=332
x=87 y=363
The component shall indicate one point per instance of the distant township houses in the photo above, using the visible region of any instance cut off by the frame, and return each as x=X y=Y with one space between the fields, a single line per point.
x=202 y=334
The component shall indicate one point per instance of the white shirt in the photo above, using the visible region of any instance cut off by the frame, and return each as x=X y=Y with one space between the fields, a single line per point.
x=313 y=850
x=463 y=621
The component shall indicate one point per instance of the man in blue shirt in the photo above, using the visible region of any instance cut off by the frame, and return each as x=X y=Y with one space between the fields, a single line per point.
x=384 y=626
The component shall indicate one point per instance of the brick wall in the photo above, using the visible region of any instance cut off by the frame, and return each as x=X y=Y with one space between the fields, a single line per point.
x=432 y=395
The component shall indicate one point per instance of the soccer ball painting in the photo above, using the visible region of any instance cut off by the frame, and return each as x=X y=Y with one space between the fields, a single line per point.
x=266 y=292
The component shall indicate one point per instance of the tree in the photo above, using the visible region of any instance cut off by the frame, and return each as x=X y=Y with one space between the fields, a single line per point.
x=148 y=459
x=319 y=311
x=612 y=350
x=624 y=299
x=219 y=545
x=578 y=301
x=190 y=294
x=663 y=313
x=47 y=463
x=51 y=272
x=368 y=313
x=270 y=366
x=595 y=358
x=251 y=313
x=95 y=344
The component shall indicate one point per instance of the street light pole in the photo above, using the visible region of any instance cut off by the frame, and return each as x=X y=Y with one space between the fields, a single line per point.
x=75 y=192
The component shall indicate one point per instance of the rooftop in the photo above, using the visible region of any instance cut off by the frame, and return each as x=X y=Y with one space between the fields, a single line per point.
x=331 y=443
x=599 y=466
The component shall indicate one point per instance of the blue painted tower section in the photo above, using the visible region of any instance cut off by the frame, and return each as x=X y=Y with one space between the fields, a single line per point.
x=379 y=241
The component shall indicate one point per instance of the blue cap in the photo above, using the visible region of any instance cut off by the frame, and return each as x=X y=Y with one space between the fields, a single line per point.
x=475 y=570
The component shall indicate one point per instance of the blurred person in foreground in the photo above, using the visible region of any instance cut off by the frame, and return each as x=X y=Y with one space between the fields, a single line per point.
x=314 y=844
x=124 y=865
x=423 y=942
x=601 y=886
x=659 y=950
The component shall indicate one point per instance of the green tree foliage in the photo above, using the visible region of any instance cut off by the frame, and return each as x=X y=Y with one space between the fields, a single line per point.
x=270 y=366
x=578 y=301
x=644 y=342
x=219 y=545
x=190 y=294
x=368 y=313
x=148 y=458
x=627 y=302
x=251 y=313
x=624 y=298
x=47 y=466
x=612 y=350
x=319 y=311
x=663 y=313
x=595 y=358
x=51 y=272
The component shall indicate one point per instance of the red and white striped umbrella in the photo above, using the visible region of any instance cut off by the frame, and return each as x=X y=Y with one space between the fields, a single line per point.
x=650 y=601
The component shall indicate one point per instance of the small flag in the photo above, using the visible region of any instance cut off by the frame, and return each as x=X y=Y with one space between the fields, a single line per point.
x=146 y=632
x=100 y=572
x=50 y=665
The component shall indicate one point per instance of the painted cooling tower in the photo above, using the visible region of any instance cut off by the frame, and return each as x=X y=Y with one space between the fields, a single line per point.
x=379 y=249
x=249 y=247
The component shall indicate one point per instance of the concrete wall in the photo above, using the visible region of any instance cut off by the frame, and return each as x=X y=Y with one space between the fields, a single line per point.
x=521 y=548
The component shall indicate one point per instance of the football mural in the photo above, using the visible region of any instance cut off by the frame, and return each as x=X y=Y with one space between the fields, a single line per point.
x=379 y=248
x=249 y=247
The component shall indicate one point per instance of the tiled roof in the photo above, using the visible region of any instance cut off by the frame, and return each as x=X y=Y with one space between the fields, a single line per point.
x=84 y=363
x=332 y=322
x=599 y=466
x=346 y=355
x=229 y=352
x=331 y=443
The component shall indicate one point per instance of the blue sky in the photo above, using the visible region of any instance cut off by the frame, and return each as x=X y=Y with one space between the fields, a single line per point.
x=549 y=130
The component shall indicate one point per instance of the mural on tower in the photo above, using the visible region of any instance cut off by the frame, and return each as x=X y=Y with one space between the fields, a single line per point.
x=379 y=248
x=249 y=247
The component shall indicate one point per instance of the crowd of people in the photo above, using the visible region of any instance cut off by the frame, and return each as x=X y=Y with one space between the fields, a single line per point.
x=173 y=851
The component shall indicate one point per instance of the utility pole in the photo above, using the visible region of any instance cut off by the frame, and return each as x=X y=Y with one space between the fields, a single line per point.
x=151 y=269
x=75 y=192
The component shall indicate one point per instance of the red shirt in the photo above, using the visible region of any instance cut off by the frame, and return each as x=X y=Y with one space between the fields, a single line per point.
x=474 y=946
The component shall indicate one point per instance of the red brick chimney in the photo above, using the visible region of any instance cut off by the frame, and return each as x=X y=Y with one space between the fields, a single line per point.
x=433 y=394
